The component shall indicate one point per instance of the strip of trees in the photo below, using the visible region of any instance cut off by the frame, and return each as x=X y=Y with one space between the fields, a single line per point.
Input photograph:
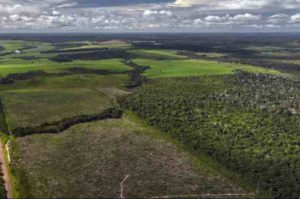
x=59 y=126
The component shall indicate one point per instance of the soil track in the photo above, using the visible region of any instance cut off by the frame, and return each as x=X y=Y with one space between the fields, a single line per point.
x=6 y=179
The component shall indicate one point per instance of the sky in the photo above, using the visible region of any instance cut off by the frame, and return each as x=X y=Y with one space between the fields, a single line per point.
x=149 y=15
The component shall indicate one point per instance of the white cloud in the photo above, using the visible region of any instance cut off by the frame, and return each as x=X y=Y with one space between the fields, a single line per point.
x=295 y=18
x=181 y=15
x=148 y=13
x=241 y=19
x=240 y=4
x=55 y=12
x=278 y=19
x=244 y=18
x=216 y=19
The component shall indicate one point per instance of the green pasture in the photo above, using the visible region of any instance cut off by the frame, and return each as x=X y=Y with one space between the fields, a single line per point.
x=178 y=68
x=8 y=66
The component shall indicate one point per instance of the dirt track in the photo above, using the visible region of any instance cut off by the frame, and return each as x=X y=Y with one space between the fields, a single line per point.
x=4 y=169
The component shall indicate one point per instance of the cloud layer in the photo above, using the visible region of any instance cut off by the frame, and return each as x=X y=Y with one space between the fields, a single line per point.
x=149 y=15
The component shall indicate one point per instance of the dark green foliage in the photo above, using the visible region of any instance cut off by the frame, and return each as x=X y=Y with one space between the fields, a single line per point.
x=11 y=78
x=79 y=70
x=94 y=55
x=248 y=122
x=3 y=125
x=135 y=76
x=59 y=126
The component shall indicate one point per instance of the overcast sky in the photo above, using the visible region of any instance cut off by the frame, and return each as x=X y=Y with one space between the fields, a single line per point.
x=149 y=15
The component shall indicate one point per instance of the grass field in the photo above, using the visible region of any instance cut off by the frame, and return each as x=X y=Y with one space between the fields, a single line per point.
x=91 y=160
x=8 y=66
x=178 y=68
x=46 y=99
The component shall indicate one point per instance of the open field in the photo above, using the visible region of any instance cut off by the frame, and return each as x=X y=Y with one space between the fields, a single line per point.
x=46 y=99
x=91 y=160
x=22 y=66
x=178 y=68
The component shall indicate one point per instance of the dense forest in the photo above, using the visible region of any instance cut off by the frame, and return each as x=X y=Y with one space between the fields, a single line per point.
x=248 y=122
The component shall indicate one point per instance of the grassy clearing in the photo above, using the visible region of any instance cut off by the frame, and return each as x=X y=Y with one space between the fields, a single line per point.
x=166 y=54
x=90 y=160
x=178 y=68
x=8 y=66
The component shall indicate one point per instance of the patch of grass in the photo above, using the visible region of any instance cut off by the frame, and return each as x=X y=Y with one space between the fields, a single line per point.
x=178 y=68
x=90 y=160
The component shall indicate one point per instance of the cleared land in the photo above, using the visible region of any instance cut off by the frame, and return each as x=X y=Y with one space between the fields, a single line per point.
x=91 y=160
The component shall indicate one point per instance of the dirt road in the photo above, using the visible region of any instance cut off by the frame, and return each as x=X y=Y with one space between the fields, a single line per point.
x=7 y=183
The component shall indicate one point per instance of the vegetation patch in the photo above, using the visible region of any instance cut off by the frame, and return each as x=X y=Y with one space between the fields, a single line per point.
x=16 y=66
x=158 y=54
x=248 y=122
x=178 y=68
x=91 y=160
x=32 y=107
x=3 y=124
x=60 y=126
